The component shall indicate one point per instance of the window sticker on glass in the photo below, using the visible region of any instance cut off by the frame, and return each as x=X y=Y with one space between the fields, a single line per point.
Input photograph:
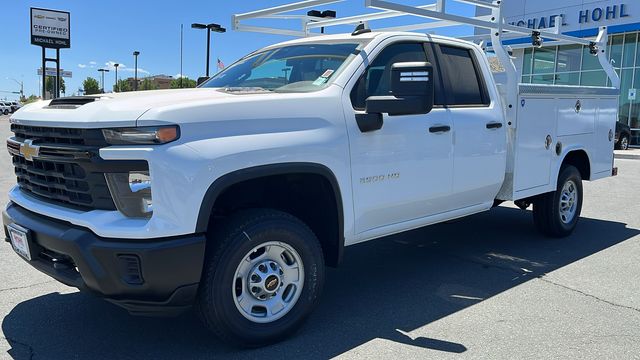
x=323 y=78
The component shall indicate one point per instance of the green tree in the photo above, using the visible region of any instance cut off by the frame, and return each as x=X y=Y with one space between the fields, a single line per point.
x=91 y=86
x=147 y=85
x=123 y=86
x=186 y=83
x=50 y=85
x=30 y=99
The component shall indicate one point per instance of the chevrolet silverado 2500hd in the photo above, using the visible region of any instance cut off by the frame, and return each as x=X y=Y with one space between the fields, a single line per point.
x=234 y=196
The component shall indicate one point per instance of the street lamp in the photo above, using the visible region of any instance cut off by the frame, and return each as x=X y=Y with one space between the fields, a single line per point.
x=135 y=76
x=209 y=27
x=102 y=71
x=116 y=87
x=327 y=14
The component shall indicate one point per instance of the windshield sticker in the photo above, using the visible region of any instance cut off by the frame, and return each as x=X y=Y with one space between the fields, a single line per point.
x=319 y=81
x=323 y=78
x=327 y=74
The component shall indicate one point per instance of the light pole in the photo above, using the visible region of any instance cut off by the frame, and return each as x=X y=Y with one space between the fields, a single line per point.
x=135 y=74
x=209 y=27
x=102 y=71
x=327 y=14
x=21 y=87
x=115 y=88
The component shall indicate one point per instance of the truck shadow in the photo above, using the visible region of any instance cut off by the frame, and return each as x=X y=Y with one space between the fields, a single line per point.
x=384 y=290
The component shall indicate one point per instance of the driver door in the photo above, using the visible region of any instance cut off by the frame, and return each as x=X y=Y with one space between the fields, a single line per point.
x=402 y=172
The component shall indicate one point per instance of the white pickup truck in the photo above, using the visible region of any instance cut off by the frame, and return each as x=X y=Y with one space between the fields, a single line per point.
x=234 y=196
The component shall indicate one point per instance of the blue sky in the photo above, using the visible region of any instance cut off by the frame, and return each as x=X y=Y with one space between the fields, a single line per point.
x=106 y=32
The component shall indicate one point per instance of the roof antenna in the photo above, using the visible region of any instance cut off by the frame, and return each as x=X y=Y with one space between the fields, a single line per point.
x=362 y=28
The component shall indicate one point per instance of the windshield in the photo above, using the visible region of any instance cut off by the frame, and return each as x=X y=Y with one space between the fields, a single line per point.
x=295 y=68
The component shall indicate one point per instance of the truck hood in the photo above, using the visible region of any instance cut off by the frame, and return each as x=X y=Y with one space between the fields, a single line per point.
x=110 y=110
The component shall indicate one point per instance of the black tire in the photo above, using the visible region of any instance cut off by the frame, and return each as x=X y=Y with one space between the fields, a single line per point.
x=547 y=214
x=243 y=232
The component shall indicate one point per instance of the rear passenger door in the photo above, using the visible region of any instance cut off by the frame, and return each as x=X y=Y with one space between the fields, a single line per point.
x=479 y=136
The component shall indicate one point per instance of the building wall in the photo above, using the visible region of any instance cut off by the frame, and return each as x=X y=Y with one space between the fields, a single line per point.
x=573 y=15
x=572 y=64
x=160 y=82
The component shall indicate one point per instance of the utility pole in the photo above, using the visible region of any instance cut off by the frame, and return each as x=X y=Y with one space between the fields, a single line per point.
x=209 y=28
x=21 y=83
x=135 y=76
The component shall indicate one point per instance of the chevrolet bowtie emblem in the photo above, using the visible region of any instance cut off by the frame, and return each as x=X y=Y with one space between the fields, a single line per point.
x=28 y=150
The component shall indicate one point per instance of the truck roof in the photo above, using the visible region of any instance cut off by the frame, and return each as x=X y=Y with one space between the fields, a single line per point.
x=346 y=37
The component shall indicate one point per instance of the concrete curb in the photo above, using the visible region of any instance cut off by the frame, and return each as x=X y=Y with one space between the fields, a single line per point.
x=631 y=154
x=627 y=156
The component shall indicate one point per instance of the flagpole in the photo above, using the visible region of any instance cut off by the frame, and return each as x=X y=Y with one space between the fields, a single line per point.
x=181 y=37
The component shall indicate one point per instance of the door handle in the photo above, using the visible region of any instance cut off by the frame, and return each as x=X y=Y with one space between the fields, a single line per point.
x=439 y=129
x=494 y=125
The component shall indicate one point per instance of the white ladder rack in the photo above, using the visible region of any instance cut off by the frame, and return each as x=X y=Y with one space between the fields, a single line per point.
x=498 y=28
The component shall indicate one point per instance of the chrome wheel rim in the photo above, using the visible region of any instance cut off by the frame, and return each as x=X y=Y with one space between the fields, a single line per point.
x=624 y=143
x=268 y=282
x=568 y=201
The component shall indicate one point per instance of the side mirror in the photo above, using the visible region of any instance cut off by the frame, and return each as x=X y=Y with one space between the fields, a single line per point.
x=202 y=79
x=412 y=93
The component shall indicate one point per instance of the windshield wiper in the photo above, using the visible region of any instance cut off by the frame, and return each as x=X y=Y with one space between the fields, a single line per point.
x=246 y=89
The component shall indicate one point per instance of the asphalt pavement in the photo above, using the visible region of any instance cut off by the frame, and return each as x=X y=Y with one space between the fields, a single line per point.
x=484 y=287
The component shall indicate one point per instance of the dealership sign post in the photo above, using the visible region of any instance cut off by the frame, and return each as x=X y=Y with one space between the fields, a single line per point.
x=50 y=29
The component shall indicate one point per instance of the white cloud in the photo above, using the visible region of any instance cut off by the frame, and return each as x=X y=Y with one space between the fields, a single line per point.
x=110 y=65
x=92 y=63
x=131 y=70
x=178 y=76
x=82 y=66
x=124 y=68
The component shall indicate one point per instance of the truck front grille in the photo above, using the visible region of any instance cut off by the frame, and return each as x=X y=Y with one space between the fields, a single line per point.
x=67 y=170
x=63 y=182
x=88 y=137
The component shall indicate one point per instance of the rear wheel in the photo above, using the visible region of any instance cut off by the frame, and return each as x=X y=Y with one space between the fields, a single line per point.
x=556 y=213
x=262 y=278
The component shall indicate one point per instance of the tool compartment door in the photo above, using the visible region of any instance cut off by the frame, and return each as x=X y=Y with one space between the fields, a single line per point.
x=606 y=118
x=537 y=119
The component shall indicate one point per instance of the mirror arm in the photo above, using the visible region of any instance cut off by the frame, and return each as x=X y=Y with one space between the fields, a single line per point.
x=369 y=122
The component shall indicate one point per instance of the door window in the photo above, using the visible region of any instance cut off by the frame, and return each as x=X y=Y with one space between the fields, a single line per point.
x=376 y=80
x=465 y=82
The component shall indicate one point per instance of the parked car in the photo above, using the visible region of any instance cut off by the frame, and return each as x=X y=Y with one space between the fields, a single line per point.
x=5 y=108
x=623 y=134
x=15 y=105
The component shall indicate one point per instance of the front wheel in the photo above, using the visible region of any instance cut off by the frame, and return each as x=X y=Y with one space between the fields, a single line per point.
x=263 y=275
x=556 y=213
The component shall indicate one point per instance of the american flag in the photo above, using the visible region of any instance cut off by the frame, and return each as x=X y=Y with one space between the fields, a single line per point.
x=220 y=64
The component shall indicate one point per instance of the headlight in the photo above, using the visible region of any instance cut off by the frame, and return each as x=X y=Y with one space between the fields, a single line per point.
x=131 y=192
x=142 y=135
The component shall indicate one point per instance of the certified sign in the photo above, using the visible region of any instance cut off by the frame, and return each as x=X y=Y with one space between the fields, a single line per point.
x=50 y=28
